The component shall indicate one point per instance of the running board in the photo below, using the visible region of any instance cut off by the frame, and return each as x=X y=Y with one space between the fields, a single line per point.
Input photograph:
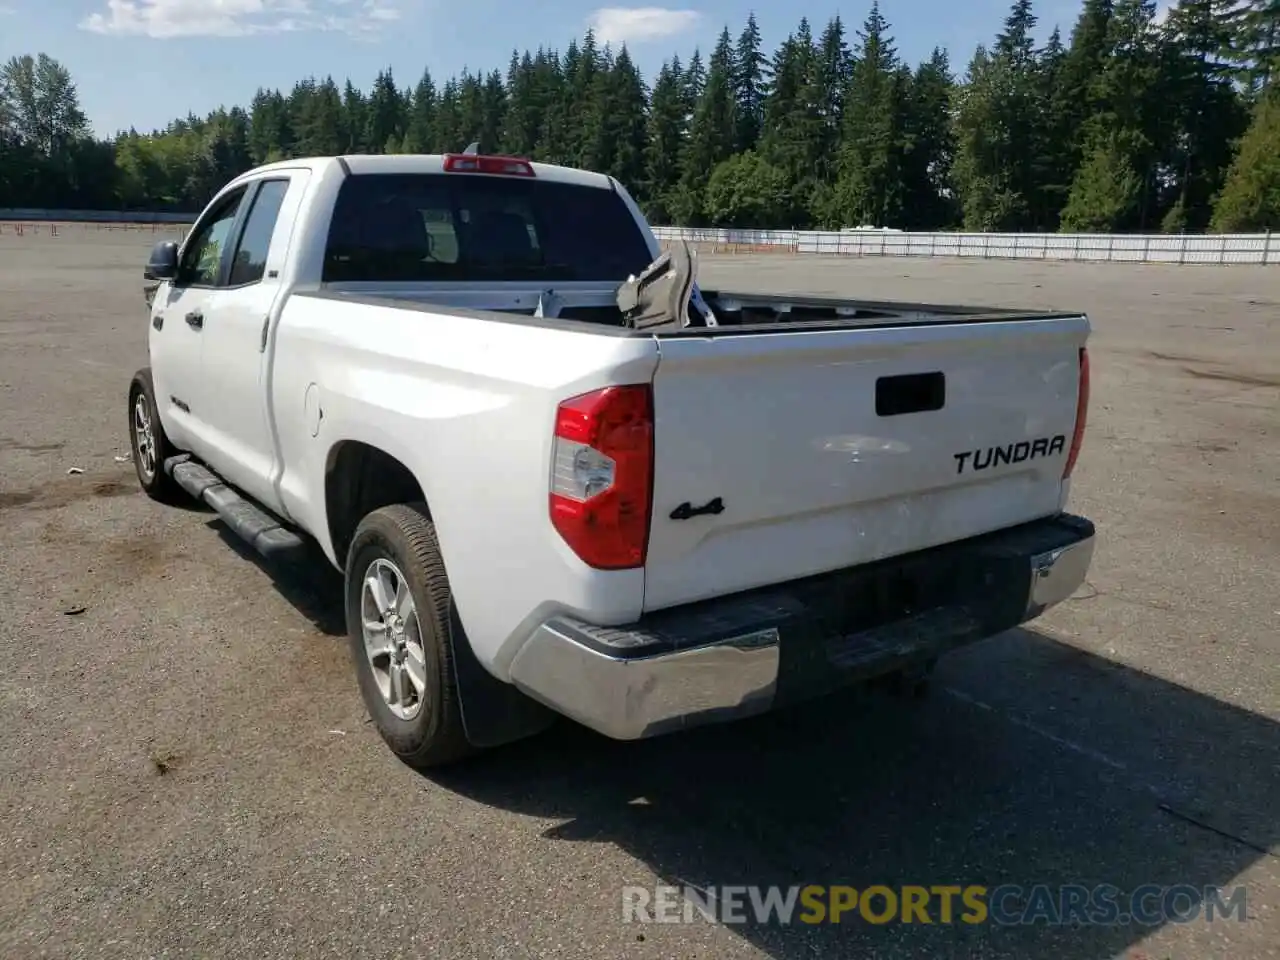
x=258 y=528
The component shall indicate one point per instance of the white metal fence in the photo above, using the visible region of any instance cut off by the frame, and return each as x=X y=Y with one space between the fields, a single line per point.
x=39 y=214
x=1128 y=248
x=38 y=222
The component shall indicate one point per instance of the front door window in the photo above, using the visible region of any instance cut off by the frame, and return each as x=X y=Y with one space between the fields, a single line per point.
x=202 y=258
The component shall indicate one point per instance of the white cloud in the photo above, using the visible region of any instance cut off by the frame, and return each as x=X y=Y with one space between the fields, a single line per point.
x=638 y=24
x=165 y=19
x=1163 y=7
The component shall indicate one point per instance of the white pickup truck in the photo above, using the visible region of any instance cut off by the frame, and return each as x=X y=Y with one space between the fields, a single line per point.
x=560 y=479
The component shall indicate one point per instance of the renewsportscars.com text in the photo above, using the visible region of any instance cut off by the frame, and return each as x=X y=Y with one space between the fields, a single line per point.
x=1006 y=904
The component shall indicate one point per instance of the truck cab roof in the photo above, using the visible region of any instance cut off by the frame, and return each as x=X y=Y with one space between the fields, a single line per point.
x=421 y=163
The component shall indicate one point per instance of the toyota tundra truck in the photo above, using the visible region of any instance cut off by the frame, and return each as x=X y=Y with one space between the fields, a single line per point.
x=560 y=478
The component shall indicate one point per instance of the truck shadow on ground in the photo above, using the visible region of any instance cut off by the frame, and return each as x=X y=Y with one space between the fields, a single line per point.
x=1033 y=762
x=311 y=586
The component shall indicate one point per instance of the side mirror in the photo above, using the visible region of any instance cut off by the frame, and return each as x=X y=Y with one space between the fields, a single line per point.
x=163 y=262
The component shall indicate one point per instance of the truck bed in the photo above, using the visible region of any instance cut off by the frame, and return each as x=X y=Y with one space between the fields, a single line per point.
x=593 y=305
x=757 y=312
x=829 y=432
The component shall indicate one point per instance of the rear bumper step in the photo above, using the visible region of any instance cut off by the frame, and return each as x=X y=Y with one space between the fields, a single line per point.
x=262 y=531
x=741 y=655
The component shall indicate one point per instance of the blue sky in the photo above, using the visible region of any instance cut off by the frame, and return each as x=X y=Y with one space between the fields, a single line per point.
x=144 y=62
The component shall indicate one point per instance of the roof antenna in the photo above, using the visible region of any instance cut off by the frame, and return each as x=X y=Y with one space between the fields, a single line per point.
x=473 y=150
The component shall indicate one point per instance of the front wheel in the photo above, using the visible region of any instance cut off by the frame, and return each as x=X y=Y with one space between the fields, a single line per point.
x=148 y=442
x=398 y=604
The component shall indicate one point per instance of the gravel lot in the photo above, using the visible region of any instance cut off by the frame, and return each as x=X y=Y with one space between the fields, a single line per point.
x=186 y=770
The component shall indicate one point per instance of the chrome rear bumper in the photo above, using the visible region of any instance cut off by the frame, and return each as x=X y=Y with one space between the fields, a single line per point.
x=739 y=656
x=1057 y=574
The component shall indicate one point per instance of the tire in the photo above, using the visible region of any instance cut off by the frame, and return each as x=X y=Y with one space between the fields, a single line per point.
x=418 y=716
x=148 y=442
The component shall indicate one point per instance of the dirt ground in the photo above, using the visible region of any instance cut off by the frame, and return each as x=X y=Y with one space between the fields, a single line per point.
x=186 y=768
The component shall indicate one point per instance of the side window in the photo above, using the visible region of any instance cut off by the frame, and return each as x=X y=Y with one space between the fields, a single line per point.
x=250 y=262
x=203 y=255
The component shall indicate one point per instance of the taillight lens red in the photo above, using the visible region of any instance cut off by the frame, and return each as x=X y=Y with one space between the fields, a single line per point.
x=1082 y=414
x=470 y=163
x=602 y=475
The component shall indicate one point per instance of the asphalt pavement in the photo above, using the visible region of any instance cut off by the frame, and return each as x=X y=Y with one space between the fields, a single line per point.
x=186 y=769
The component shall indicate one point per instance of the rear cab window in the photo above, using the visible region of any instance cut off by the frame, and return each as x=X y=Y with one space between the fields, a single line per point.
x=441 y=227
x=250 y=261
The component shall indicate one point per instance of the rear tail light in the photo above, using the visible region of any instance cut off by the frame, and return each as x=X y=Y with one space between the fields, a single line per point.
x=602 y=475
x=1082 y=414
x=471 y=163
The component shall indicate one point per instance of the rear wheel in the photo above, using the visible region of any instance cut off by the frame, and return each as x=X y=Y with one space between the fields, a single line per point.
x=398 y=604
x=148 y=443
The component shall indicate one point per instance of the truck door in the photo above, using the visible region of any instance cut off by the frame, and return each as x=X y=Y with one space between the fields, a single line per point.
x=178 y=314
x=234 y=363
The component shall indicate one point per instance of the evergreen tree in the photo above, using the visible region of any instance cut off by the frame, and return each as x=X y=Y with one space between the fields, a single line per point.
x=1004 y=147
x=270 y=135
x=1106 y=191
x=1077 y=91
x=1209 y=113
x=1255 y=43
x=449 y=133
x=419 y=136
x=1056 y=157
x=981 y=176
x=355 y=110
x=625 y=124
x=297 y=108
x=1250 y=199
x=712 y=132
x=666 y=141
x=582 y=108
x=1127 y=126
x=553 y=145
x=695 y=78
x=385 y=117
x=749 y=85
x=1023 y=110
x=493 y=111
x=595 y=148
x=835 y=73
x=523 y=117
x=318 y=127
x=929 y=147
x=792 y=137
x=471 y=115
x=1131 y=117
x=869 y=190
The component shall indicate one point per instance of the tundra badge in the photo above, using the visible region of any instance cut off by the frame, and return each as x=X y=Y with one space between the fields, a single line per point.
x=1012 y=453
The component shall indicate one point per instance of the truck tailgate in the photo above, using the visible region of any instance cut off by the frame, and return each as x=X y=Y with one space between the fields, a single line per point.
x=834 y=447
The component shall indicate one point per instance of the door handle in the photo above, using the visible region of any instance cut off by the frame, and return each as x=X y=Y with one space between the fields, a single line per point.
x=195 y=320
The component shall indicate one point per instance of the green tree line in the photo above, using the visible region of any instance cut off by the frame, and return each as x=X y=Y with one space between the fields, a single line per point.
x=1134 y=123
